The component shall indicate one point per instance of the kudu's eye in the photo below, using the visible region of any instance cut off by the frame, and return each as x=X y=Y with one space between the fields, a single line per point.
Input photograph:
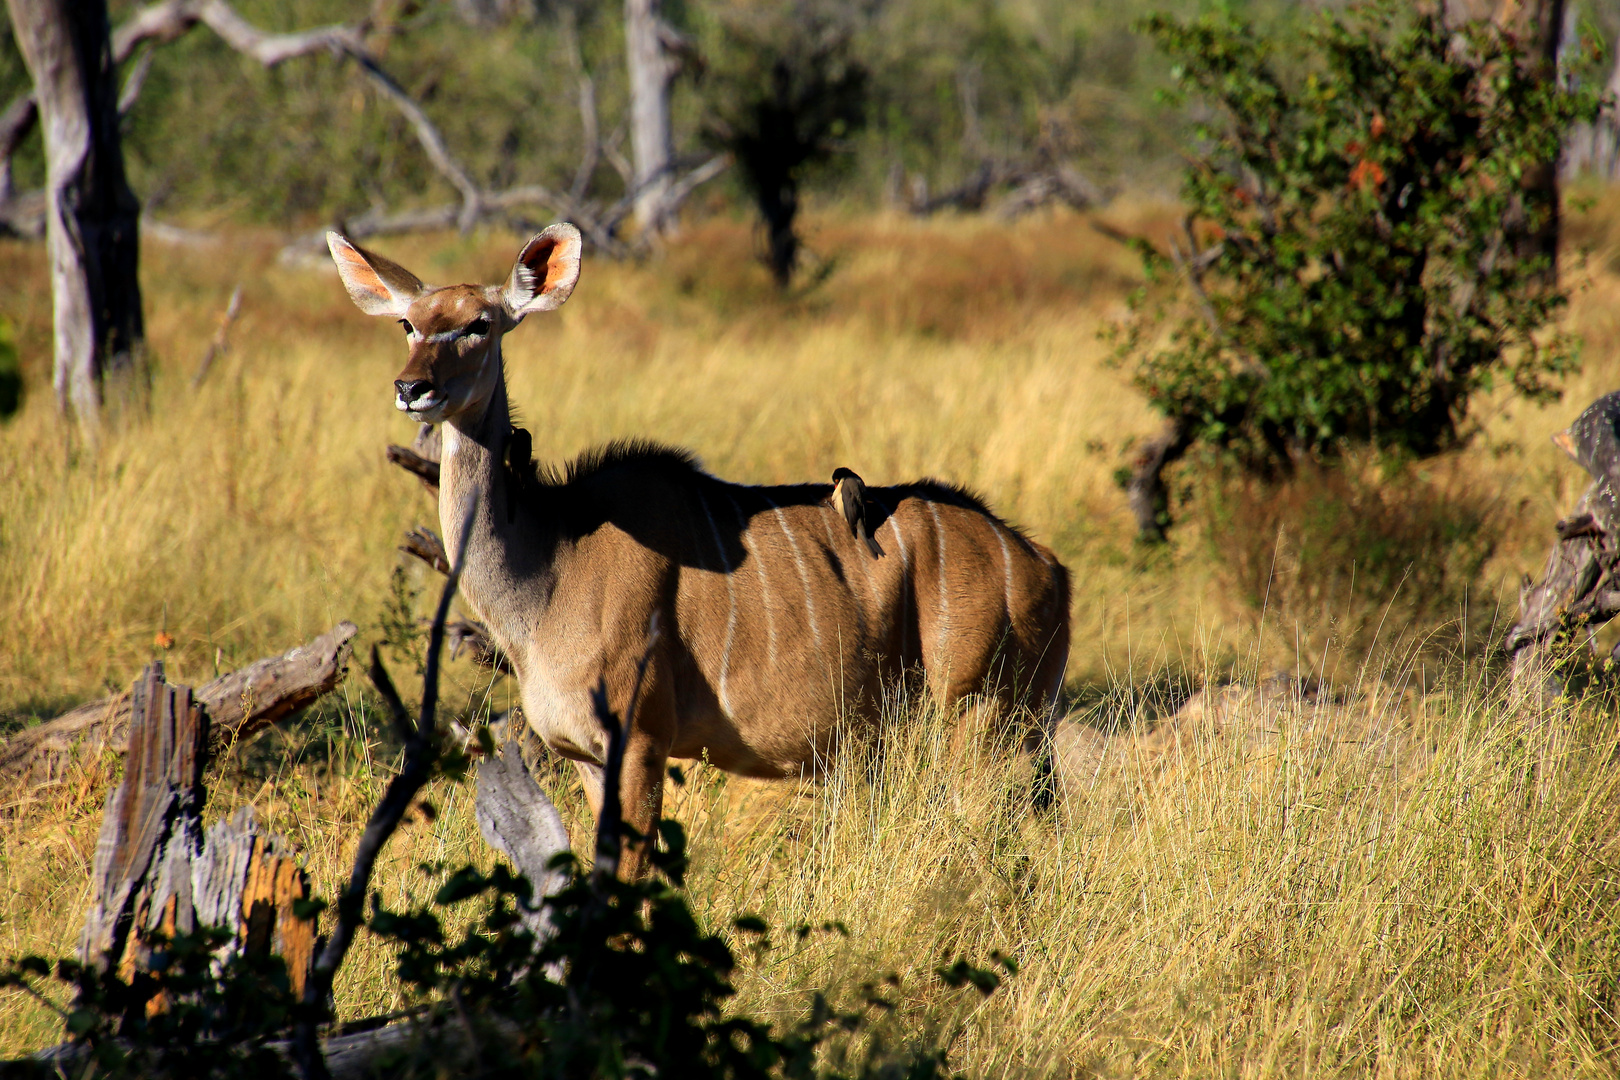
x=406 y=323
x=478 y=327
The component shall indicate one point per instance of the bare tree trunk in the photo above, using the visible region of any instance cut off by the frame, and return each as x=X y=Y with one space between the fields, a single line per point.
x=91 y=213
x=1540 y=26
x=1145 y=490
x=652 y=67
x=1590 y=148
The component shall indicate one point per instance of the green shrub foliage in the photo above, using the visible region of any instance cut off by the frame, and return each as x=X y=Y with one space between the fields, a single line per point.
x=629 y=985
x=1355 y=265
x=189 y=1016
x=785 y=98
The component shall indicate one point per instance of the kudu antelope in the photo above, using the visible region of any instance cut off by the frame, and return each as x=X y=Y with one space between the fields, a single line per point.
x=776 y=621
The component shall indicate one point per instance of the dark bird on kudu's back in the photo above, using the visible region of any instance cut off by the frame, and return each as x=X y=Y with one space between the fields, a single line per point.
x=849 y=496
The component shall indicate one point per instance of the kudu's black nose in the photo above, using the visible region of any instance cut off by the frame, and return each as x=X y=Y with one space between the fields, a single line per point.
x=411 y=389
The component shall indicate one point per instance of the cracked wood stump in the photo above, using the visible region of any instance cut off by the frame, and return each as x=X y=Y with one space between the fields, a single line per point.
x=157 y=871
x=1579 y=589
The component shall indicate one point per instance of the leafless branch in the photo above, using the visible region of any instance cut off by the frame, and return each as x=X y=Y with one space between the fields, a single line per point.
x=134 y=82
x=683 y=186
x=425 y=545
x=615 y=156
x=221 y=339
x=424 y=469
x=402 y=791
x=590 y=134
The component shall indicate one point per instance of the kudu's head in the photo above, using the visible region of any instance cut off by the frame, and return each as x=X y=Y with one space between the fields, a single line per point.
x=454 y=332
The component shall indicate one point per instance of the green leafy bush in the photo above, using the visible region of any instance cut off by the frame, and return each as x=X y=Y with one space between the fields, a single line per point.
x=1356 y=264
x=189 y=1016
x=643 y=986
x=629 y=985
x=785 y=95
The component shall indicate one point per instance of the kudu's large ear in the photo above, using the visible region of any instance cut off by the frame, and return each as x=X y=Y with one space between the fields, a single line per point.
x=377 y=285
x=545 y=272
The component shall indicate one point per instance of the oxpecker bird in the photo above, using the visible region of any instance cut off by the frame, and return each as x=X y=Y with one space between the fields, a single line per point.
x=849 y=496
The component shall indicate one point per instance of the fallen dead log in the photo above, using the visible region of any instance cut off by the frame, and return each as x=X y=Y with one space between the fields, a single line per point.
x=238 y=705
x=1032 y=187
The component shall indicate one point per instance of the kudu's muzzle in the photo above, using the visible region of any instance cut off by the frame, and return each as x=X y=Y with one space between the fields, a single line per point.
x=415 y=395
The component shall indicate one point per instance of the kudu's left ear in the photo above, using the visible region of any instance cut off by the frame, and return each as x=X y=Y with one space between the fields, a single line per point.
x=545 y=272
x=377 y=285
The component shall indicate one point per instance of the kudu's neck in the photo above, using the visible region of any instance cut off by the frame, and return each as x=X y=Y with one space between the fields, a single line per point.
x=503 y=551
x=472 y=459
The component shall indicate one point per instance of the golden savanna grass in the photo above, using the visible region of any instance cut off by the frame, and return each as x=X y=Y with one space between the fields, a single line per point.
x=1402 y=877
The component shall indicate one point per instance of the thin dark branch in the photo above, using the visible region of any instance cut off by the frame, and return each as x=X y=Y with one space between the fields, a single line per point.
x=221 y=339
x=385 y=687
x=610 y=823
x=401 y=793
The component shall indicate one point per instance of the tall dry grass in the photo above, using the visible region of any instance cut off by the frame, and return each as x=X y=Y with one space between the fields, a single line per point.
x=1247 y=898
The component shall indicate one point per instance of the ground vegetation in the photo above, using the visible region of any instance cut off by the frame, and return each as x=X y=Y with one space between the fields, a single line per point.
x=1242 y=903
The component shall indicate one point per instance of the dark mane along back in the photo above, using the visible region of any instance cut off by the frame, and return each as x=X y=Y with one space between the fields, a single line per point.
x=640 y=454
x=943 y=491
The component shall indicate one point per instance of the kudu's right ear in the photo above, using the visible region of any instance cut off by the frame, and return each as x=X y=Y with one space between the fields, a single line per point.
x=545 y=272
x=377 y=285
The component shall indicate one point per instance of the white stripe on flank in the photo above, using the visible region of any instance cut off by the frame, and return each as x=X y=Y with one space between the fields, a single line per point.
x=1006 y=572
x=798 y=561
x=764 y=585
x=944 y=601
x=905 y=571
x=731 y=604
x=905 y=560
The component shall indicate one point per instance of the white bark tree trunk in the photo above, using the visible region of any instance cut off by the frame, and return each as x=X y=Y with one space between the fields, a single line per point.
x=652 y=72
x=91 y=214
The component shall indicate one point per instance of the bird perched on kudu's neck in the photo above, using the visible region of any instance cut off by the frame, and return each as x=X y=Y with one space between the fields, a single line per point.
x=849 y=496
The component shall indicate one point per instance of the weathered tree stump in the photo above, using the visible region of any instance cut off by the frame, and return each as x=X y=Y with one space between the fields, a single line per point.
x=239 y=704
x=156 y=871
x=518 y=820
x=1579 y=589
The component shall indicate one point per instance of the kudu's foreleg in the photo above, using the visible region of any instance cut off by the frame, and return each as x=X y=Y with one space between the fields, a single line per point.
x=641 y=777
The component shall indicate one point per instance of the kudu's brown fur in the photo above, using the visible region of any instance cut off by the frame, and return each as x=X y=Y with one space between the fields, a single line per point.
x=777 y=621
